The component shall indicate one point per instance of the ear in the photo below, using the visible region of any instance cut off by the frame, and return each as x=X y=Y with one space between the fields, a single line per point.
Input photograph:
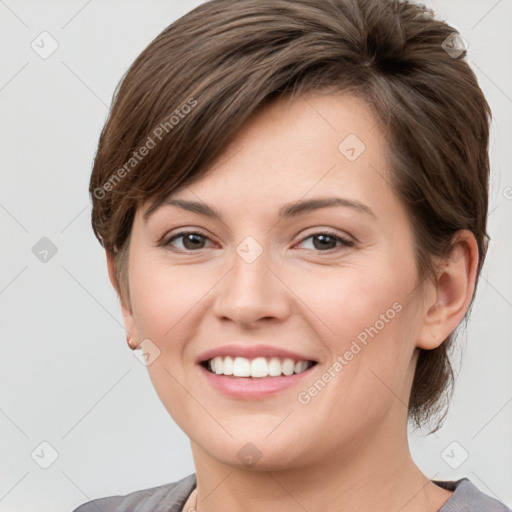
x=449 y=297
x=132 y=336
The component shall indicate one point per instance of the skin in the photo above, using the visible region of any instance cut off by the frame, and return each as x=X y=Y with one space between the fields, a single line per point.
x=347 y=448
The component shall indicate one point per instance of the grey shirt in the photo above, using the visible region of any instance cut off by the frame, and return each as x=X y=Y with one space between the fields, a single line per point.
x=172 y=497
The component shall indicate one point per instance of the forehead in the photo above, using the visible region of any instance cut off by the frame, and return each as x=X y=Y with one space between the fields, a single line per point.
x=315 y=144
x=336 y=123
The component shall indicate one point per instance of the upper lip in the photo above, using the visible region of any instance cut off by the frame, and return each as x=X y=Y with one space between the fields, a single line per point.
x=251 y=352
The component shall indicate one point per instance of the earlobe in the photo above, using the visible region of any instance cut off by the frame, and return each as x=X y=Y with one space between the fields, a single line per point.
x=129 y=321
x=454 y=288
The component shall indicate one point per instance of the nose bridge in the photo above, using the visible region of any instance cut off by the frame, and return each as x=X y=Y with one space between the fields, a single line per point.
x=251 y=291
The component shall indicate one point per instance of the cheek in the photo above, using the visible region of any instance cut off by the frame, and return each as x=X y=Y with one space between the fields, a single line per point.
x=163 y=296
x=163 y=301
x=349 y=301
x=368 y=318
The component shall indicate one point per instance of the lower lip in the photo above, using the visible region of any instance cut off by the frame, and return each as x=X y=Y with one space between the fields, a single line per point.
x=252 y=388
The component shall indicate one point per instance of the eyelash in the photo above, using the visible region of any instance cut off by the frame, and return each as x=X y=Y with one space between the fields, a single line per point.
x=344 y=241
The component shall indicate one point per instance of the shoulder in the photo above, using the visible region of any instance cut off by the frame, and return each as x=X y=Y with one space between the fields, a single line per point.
x=164 y=498
x=468 y=498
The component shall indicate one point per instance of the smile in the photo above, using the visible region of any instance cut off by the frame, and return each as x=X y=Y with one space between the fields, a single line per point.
x=259 y=367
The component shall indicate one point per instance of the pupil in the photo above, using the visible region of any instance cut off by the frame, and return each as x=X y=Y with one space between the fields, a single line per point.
x=323 y=239
x=190 y=238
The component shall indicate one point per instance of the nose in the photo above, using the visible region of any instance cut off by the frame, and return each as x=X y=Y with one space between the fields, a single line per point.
x=253 y=292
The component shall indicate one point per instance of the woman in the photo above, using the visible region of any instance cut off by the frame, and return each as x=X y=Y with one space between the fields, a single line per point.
x=293 y=199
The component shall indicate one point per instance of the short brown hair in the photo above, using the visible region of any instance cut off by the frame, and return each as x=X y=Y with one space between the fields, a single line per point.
x=206 y=74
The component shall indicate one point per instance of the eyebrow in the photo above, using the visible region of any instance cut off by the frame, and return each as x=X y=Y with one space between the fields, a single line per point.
x=286 y=211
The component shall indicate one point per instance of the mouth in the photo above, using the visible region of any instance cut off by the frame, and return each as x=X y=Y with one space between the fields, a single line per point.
x=243 y=371
x=256 y=368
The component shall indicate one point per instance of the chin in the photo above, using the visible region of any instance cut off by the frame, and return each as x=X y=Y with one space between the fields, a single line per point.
x=254 y=452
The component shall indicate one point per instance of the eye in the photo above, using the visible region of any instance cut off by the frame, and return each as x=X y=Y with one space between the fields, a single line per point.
x=191 y=240
x=194 y=240
x=326 y=241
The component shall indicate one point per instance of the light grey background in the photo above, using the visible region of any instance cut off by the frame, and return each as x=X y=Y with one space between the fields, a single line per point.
x=67 y=375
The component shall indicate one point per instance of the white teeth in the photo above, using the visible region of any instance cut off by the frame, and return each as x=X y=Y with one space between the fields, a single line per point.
x=300 y=366
x=241 y=367
x=288 y=365
x=227 y=366
x=259 y=367
x=274 y=367
x=217 y=364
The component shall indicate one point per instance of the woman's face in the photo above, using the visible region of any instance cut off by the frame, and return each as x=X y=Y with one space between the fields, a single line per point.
x=274 y=278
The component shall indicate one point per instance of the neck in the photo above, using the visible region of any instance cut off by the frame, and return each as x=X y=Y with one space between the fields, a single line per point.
x=377 y=474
